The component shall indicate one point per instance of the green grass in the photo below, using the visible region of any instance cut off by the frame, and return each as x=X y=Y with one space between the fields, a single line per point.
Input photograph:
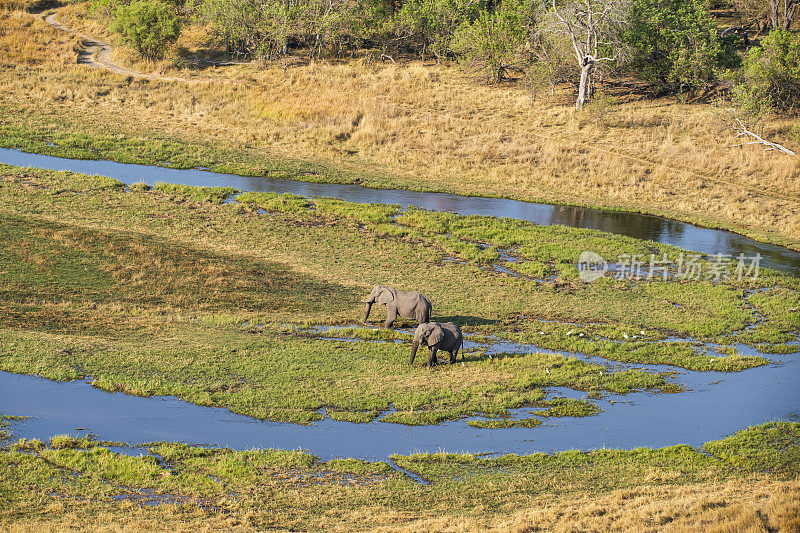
x=773 y=448
x=289 y=379
x=4 y=423
x=172 y=292
x=53 y=130
x=37 y=134
x=273 y=202
x=88 y=482
x=209 y=194
x=558 y=407
x=506 y=423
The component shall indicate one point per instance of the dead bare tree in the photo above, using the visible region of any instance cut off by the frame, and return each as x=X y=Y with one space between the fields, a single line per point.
x=782 y=13
x=742 y=131
x=591 y=27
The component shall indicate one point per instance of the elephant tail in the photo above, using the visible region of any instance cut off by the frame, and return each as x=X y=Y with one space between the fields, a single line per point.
x=426 y=315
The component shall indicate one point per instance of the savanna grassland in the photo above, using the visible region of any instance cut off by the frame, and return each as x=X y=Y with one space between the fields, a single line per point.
x=223 y=299
x=414 y=125
x=172 y=291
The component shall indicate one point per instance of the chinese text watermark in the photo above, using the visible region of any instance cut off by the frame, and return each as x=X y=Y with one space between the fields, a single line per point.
x=686 y=266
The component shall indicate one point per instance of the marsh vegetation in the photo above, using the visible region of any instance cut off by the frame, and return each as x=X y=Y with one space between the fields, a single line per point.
x=248 y=301
x=749 y=478
x=171 y=291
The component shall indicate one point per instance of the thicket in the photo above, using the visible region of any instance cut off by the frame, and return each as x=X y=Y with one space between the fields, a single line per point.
x=673 y=45
x=147 y=25
x=770 y=77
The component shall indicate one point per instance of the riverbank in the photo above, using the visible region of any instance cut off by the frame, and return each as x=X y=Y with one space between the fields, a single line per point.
x=663 y=158
x=748 y=480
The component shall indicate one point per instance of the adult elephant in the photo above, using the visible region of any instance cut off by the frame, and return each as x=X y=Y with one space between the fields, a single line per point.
x=446 y=337
x=412 y=305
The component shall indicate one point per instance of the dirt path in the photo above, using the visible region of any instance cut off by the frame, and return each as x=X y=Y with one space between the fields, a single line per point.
x=96 y=54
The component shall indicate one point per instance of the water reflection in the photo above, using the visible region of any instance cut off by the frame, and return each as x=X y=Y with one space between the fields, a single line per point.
x=687 y=236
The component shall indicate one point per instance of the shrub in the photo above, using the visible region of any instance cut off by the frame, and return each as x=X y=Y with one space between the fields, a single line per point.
x=490 y=43
x=552 y=63
x=431 y=24
x=674 y=44
x=104 y=9
x=770 y=78
x=147 y=25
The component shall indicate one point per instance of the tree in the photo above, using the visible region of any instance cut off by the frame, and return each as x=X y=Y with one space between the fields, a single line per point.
x=771 y=75
x=491 y=42
x=782 y=12
x=775 y=14
x=325 y=24
x=147 y=25
x=432 y=23
x=250 y=27
x=674 y=44
x=592 y=27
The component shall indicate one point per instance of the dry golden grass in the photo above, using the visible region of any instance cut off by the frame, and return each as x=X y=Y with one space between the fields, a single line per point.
x=725 y=507
x=16 y=5
x=733 y=506
x=27 y=41
x=432 y=126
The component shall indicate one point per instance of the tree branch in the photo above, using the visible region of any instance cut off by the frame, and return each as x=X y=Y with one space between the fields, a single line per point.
x=742 y=131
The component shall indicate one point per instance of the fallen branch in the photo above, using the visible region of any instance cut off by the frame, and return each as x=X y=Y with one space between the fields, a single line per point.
x=742 y=131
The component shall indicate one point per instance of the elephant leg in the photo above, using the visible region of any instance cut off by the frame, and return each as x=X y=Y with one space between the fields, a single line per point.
x=432 y=356
x=391 y=315
x=453 y=356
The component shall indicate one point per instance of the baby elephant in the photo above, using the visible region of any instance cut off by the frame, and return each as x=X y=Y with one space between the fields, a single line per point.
x=436 y=336
x=412 y=305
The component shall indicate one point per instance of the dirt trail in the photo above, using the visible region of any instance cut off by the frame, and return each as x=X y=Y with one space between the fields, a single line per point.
x=96 y=54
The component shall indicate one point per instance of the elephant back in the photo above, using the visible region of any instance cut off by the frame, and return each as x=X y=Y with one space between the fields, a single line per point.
x=453 y=329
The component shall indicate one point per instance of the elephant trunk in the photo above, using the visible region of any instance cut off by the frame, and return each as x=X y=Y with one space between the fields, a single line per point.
x=366 y=314
x=414 y=347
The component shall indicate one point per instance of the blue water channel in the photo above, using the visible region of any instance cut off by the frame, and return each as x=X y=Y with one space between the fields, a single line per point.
x=715 y=405
x=647 y=227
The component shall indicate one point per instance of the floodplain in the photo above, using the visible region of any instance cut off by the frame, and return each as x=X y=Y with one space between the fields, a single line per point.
x=622 y=403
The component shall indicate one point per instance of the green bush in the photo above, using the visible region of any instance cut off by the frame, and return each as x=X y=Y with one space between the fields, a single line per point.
x=147 y=25
x=490 y=43
x=770 y=78
x=674 y=44
x=264 y=29
x=431 y=24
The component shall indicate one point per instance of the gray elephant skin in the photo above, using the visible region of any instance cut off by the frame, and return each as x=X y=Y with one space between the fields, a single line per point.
x=446 y=337
x=411 y=305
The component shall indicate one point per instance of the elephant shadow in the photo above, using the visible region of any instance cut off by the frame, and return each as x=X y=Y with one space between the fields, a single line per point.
x=478 y=357
x=465 y=320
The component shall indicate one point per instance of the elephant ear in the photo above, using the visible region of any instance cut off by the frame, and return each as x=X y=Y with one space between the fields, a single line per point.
x=385 y=297
x=435 y=336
